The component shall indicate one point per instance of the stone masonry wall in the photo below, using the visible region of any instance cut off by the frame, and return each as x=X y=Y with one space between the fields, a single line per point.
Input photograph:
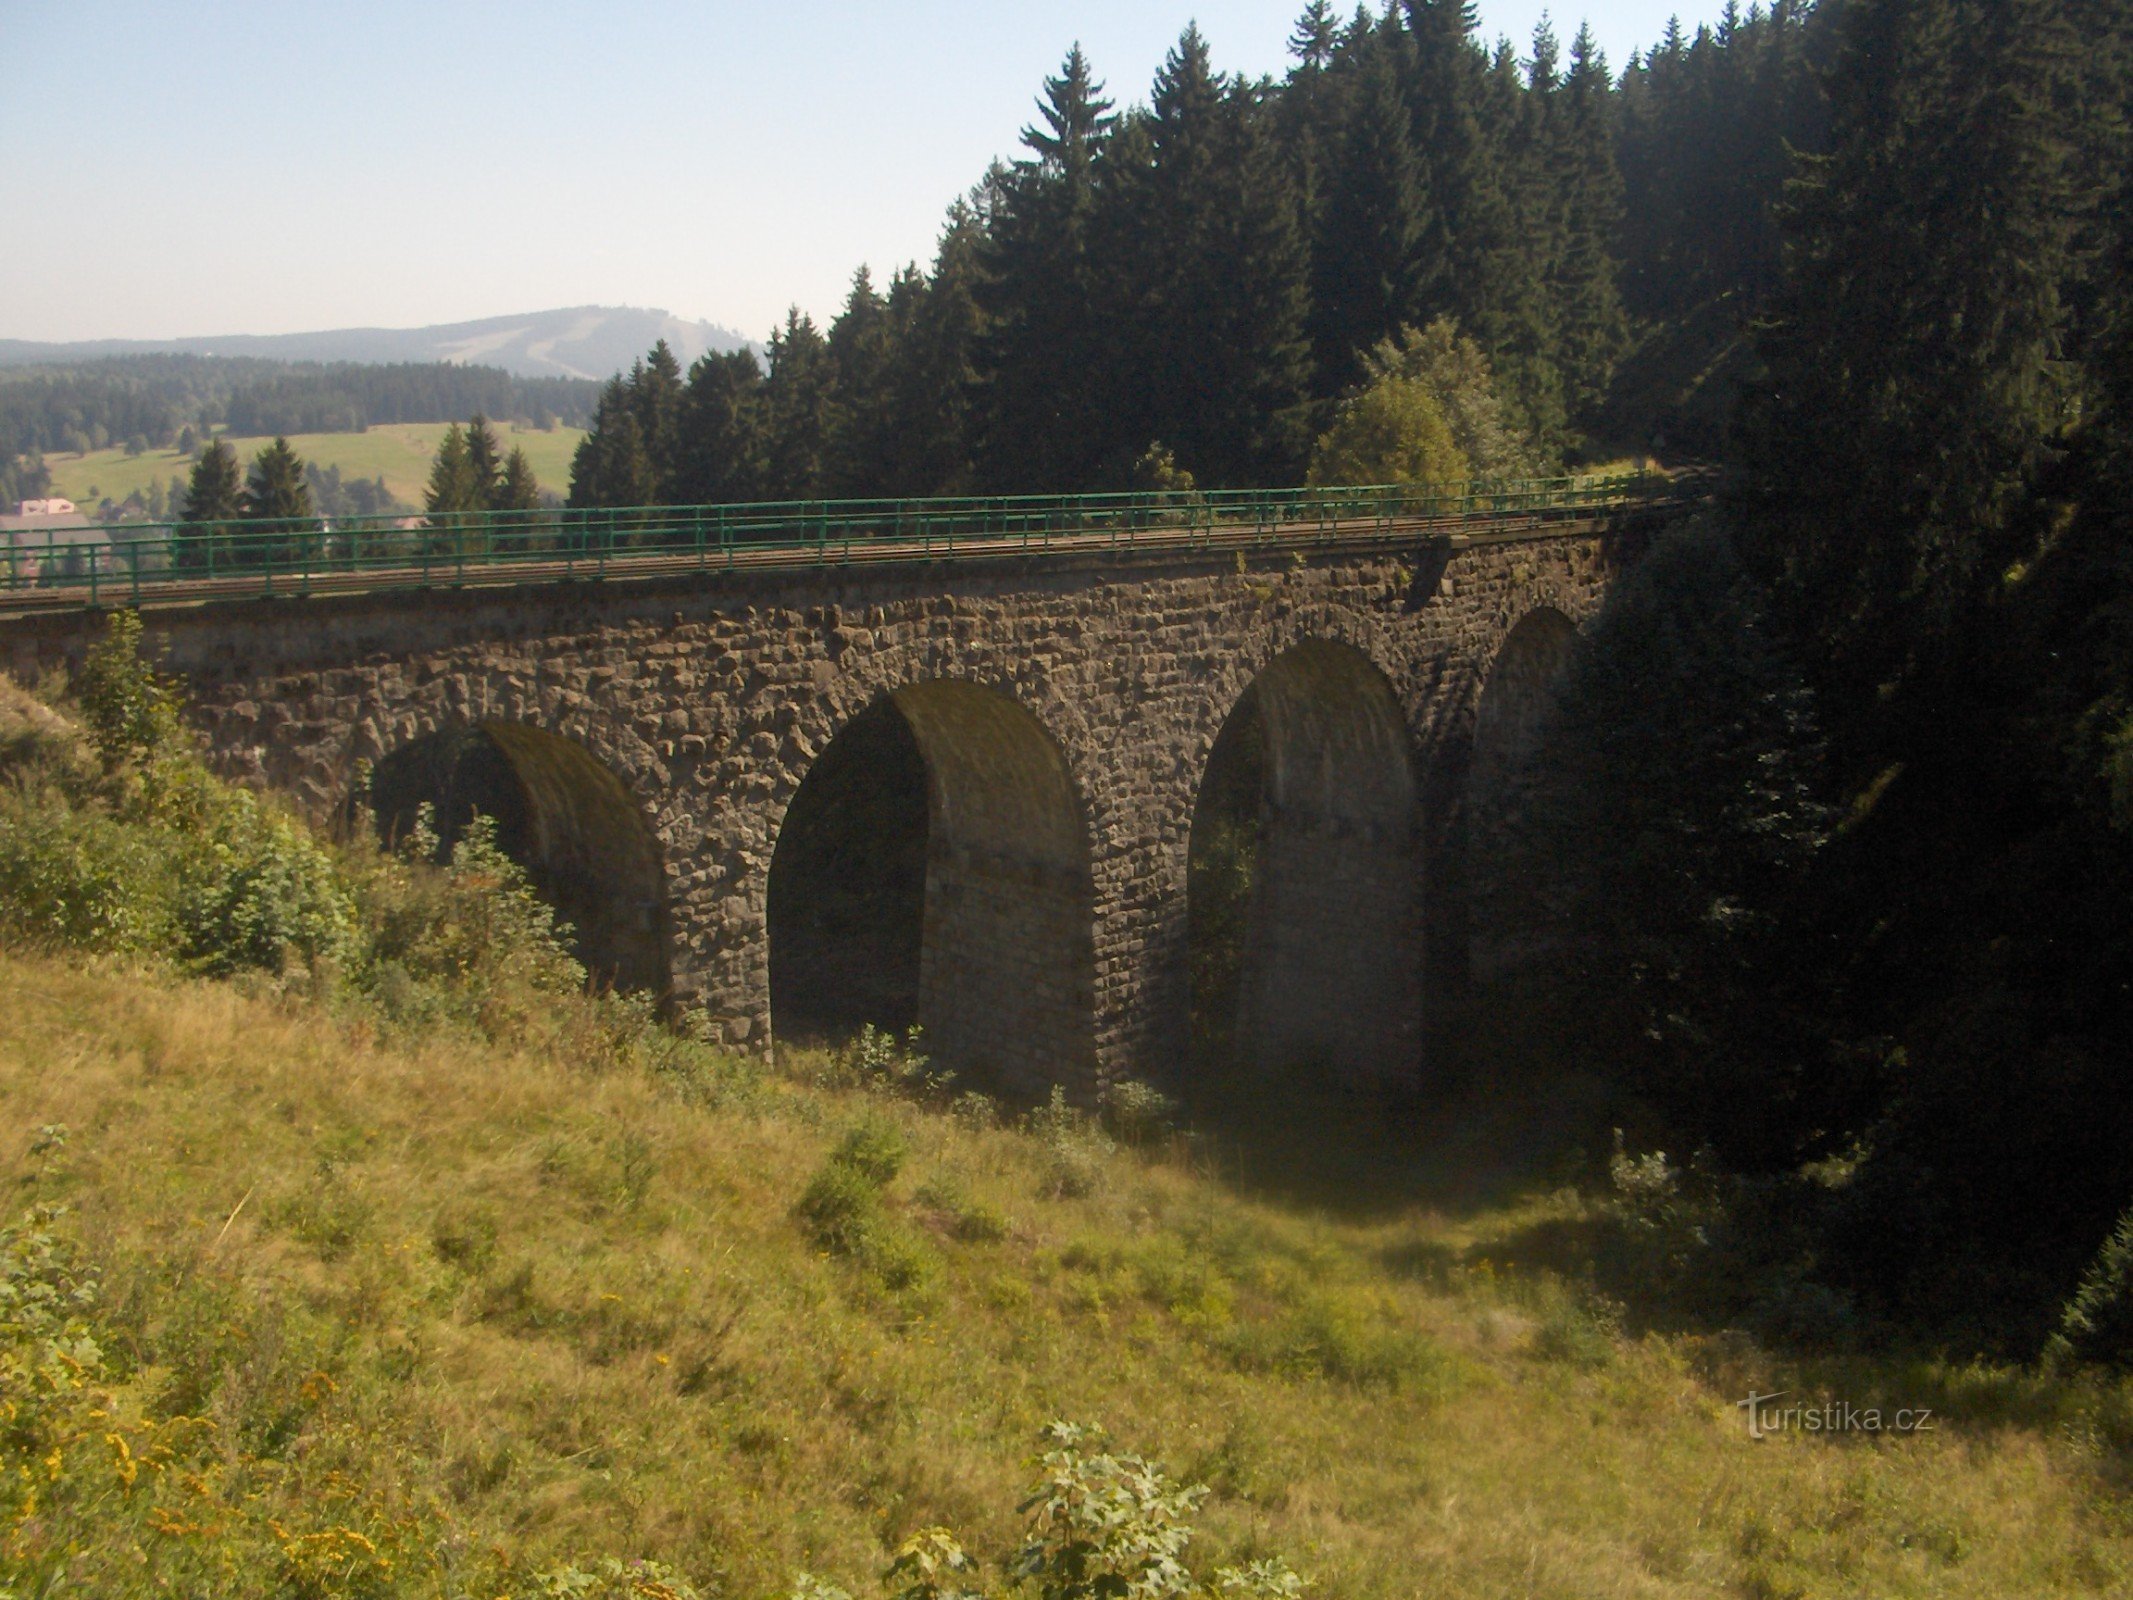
x=710 y=695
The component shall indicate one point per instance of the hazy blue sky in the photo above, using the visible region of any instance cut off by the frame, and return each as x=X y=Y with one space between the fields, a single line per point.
x=228 y=167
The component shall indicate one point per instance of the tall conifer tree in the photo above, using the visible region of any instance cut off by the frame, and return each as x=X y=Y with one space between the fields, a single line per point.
x=1045 y=383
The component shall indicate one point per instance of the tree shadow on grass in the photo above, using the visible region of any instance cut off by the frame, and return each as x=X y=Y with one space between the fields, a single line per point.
x=1364 y=1156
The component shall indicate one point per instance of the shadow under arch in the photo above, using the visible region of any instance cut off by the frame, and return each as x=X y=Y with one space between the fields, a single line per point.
x=563 y=815
x=933 y=868
x=1509 y=720
x=1303 y=914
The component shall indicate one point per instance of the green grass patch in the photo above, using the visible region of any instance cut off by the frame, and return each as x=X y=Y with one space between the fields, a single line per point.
x=400 y=452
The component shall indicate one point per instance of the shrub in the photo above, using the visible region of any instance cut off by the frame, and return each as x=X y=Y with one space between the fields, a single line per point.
x=1137 y=1112
x=1395 y=431
x=1104 y=1526
x=930 y=1565
x=130 y=709
x=1075 y=1144
x=876 y=1149
x=2097 y=1324
x=843 y=1213
x=875 y=1058
x=260 y=891
x=468 y=943
x=79 y=879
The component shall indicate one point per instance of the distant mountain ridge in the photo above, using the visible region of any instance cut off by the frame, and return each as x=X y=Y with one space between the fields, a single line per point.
x=574 y=342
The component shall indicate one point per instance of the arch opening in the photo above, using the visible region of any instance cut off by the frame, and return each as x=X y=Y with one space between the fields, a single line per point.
x=1302 y=887
x=1509 y=722
x=848 y=886
x=563 y=815
x=933 y=867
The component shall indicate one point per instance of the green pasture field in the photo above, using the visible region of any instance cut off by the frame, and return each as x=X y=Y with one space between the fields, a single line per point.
x=400 y=451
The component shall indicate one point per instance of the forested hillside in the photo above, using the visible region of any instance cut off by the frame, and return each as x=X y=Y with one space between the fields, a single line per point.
x=1193 y=284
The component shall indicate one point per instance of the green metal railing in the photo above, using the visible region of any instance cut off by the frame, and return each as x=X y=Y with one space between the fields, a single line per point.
x=146 y=563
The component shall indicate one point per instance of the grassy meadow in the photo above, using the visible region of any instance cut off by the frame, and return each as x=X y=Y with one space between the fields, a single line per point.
x=567 y=1312
x=401 y=452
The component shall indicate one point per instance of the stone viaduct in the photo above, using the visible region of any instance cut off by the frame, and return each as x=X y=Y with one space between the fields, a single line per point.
x=645 y=743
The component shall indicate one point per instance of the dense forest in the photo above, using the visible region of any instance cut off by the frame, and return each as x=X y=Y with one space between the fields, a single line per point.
x=1829 y=843
x=150 y=401
x=1828 y=847
x=1195 y=285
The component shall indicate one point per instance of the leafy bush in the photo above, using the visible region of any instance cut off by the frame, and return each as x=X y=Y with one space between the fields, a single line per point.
x=130 y=709
x=876 y=1149
x=147 y=852
x=1452 y=368
x=79 y=879
x=1075 y=1145
x=1101 y=1527
x=1137 y=1112
x=1105 y=1526
x=259 y=891
x=1394 y=431
x=843 y=1213
x=469 y=942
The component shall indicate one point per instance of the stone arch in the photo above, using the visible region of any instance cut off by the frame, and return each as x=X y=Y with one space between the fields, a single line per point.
x=1516 y=694
x=1315 y=760
x=993 y=949
x=1509 y=718
x=564 y=815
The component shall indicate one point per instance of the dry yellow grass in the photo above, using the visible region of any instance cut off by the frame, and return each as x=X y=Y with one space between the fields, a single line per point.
x=575 y=1311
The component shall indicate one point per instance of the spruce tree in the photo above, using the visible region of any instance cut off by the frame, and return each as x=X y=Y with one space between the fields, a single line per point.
x=655 y=395
x=1371 y=218
x=1308 y=113
x=1915 y=379
x=213 y=500
x=1226 y=276
x=1046 y=392
x=517 y=489
x=860 y=419
x=721 y=456
x=484 y=462
x=1592 y=329
x=612 y=469
x=277 y=505
x=935 y=376
x=453 y=487
x=797 y=394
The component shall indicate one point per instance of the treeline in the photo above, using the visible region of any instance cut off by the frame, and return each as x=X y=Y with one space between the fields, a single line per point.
x=1831 y=846
x=1191 y=286
x=149 y=401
